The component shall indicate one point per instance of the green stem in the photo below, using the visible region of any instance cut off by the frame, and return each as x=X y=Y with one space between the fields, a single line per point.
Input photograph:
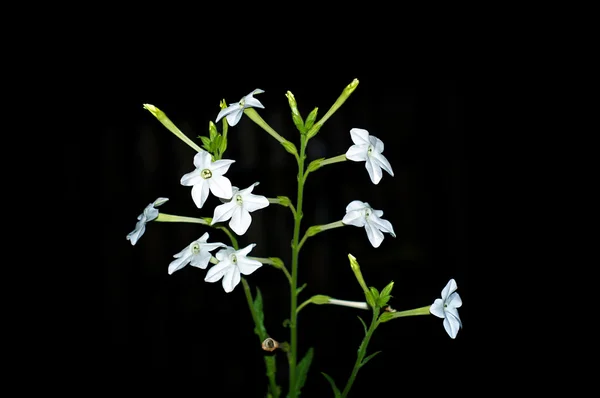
x=162 y=217
x=160 y=115
x=315 y=229
x=304 y=304
x=295 y=252
x=318 y=163
x=255 y=117
x=275 y=264
x=362 y=350
x=283 y=201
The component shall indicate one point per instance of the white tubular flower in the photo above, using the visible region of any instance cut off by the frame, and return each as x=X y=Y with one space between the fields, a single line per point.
x=368 y=149
x=238 y=209
x=197 y=254
x=446 y=308
x=149 y=214
x=231 y=264
x=360 y=214
x=208 y=176
x=233 y=113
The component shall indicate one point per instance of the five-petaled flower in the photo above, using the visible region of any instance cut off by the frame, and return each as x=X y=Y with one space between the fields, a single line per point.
x=231 y=264
x=233 y=113
x=208 y=176
x=149 y=214
x=446 y=308
x=361 y=214
x=238 y=209
x=368 y=149
x=197 y=254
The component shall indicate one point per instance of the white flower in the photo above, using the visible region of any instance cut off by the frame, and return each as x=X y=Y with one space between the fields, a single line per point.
x=233 y=113
x=360 y=214
x=368 y=148
x=231 y=264
x=197 y=254
x=149 y=214
x=208 y=176
x=446 y=308
x=238 y=209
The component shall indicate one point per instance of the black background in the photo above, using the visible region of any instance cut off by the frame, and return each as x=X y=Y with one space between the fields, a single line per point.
x=151 y=327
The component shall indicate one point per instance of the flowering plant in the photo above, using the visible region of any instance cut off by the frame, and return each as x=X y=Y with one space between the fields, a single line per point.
x=230 y=263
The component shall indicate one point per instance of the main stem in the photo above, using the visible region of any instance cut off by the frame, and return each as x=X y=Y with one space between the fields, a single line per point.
x=295 y=253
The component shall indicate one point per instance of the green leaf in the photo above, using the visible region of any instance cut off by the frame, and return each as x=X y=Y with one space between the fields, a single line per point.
x=374 y=293
x=302 y=370
x=298 y=122
x=383 y=300
x=310 y=119
x=314 y=165
x=367 y=359
x=336 y=390
x=212 y=130
x=363 y=323
x=258 y=309
x=298 y=290
x=205 y=142
x=271 y=369
x=388 y=289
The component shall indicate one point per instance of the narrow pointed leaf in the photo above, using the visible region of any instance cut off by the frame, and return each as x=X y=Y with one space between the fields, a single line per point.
x=367 y=359
x=302 y=370
x=336 y=390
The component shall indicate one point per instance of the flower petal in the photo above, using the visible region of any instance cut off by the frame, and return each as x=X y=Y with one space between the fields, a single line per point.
x=355 y=218
x=437 y=308
x=231 y=279
x=247 y=265
x=254 y=202
x=200 y=193
x=223 y=212
x=227 y=111
x=382 y=162
x=179 y=263
x=217 y=272
x=202 y=160
x=377 y=143
x=454 y=301
x=140 y=228
x=240 y=220
x=374 y=170
x=449 y=289
x=220 y=166
x=382 y=225
x=234 y=117
x=160 y=201
x=244 y=252
x=252 y=102
x=357 y=153
x=451 y=324
x=359 y=136
x=191 y=178
x=203 y=238
x=220 y=186
x=223 y=254
x=375 y=236
x=201 y=259
x=357 y=205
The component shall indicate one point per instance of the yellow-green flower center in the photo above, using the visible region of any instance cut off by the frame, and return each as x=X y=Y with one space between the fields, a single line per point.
x=206 y=174
x=370 y=149
x=195 y=247
x=238 y=199
x=233 y=259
